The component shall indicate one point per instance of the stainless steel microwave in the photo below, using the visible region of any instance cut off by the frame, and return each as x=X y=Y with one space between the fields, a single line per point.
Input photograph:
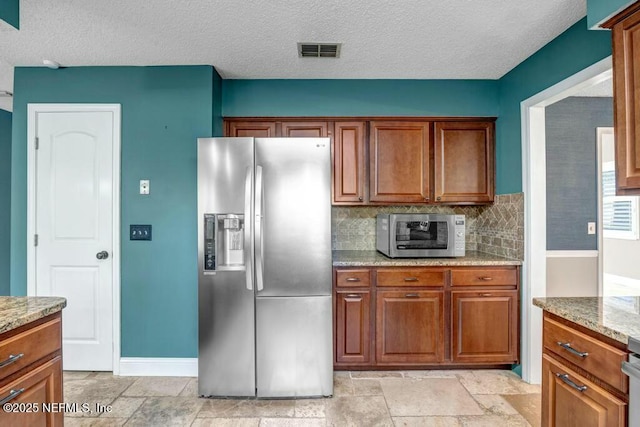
x=420 y=235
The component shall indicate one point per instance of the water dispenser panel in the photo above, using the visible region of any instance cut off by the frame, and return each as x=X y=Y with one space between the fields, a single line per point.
x=209 y=242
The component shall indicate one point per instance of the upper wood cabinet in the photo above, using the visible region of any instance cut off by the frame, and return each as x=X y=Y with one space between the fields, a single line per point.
x=384 y=161
x=399 y=161
x=349 y=163
x=464 y=162
x=305 y=129
x=253 y=129
x=626 y=83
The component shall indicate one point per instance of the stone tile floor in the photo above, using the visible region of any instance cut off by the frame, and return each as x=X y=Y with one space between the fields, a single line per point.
x=392 y=398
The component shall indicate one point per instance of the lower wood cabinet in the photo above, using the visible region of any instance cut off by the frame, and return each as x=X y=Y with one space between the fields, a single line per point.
x=485 y=326
x=570 y=400
x=352 y=320
x=33 y=391
x=417 y=316
x=409 y=327
x=31 y=373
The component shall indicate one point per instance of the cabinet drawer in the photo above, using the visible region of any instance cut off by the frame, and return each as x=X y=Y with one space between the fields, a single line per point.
x=29 y=346
x=598 y=358
x=352 y=278
x=484 y=277
x=411 y=277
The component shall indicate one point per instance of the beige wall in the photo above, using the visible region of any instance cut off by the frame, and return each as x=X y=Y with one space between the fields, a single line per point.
x=572 y=277
x=622 y=257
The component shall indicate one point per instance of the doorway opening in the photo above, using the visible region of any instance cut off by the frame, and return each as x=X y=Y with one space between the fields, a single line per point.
x=534 y=168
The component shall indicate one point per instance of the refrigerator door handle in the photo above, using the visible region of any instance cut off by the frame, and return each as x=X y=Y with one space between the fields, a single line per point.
x=248 y=246
x=259 y=240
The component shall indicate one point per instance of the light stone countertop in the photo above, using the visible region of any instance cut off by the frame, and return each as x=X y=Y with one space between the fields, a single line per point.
x=615 y=317
x=18 y=311
x=376 y=259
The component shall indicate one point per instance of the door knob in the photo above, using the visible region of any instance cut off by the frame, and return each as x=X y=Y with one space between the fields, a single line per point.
x=102 y=255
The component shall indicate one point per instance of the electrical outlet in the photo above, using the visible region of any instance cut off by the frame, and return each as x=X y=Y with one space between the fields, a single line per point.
x=139 y=232
x=591 y=228
x=144 y=186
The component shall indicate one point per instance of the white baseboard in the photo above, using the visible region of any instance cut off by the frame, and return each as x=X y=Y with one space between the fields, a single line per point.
x=158 y=367
x=572 y=254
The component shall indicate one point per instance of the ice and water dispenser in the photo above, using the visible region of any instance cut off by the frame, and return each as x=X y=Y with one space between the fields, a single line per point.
x=223 y=242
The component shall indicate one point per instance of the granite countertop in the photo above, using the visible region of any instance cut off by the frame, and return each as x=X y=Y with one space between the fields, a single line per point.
x=615 y=317
x=18 y=311
x=375 y=258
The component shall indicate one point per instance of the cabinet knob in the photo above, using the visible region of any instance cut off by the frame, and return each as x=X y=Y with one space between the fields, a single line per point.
x=360 y=198
x=438 y=198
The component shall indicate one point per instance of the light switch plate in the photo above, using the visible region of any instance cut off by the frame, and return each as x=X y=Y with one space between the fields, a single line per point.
x=591 y=228
x=139 y=232
x=144 y=186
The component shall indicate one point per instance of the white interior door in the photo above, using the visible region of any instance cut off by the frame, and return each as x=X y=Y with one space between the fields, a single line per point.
x=74 y=198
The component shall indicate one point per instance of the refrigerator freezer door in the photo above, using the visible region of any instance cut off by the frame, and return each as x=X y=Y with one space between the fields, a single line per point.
x=226 y=328
x=295 y=216
x=295 y=347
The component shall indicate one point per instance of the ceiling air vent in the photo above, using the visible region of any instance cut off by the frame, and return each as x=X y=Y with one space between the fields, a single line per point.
x=319 y=50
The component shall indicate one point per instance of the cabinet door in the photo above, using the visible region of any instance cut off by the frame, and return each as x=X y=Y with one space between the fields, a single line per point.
x=251 y=129
x=352 y=327
x=41 y=385
x=485 y=326
x=305 y=129
x=348 y=162
x=626 y=79
x=570 y=400
x=409 y=327
x=464 y=162
x=399 y=164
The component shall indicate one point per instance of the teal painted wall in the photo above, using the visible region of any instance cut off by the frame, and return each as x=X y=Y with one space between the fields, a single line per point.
x=359 y=98
x=600 y=10
x=218 y=129
x=5 y=199
x=164 y=110
x=572 y=51
x=10 y=12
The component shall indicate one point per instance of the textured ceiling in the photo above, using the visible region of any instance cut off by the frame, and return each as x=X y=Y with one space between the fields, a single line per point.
x=412 y=39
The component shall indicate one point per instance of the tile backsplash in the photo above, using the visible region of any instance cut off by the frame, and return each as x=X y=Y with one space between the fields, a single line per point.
x=496 y=229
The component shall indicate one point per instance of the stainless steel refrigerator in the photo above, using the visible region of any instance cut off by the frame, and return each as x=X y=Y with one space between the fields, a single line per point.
x=264 y=267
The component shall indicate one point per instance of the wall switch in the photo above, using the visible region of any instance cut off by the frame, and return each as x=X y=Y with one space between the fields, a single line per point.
x=144 y=186
x=139 y=232
x=591 y=228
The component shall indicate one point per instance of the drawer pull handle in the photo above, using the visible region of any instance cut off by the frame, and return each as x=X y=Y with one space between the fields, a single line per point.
x=486 y=278
x=410 y=279
x=566 y=380
x=12 y=358
x=485 y=295
x=353 y=296
x=12 y=395
x=567 y=346
x=353 y=279
x=412 y=296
